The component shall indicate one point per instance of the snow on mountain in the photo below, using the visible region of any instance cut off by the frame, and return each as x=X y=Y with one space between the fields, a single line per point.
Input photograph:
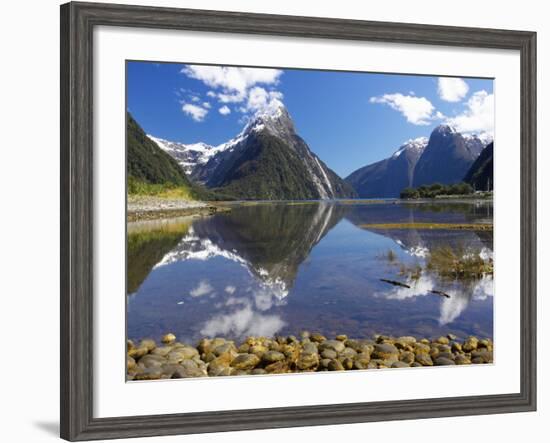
x=477 y=142
x=217 y=166
x=189 y=155
x=417 y=145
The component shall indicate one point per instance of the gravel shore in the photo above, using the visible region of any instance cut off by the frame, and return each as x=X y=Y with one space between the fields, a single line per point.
x=310 y=353
x=150 y=208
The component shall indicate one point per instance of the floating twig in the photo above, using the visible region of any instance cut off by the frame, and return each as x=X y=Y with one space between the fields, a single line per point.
x=395 y=283
x=443 y=294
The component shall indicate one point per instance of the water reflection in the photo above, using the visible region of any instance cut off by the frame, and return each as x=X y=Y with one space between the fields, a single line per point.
x=272 y=269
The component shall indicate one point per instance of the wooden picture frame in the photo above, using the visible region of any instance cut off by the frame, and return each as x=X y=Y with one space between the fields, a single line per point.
x=77 y=23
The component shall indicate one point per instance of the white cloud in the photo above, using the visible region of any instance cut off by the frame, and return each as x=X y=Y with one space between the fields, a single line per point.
x=230 y=289
x=206 y=105
x=195 y=98
x=197 y=113
x=243 y=322
x=231 y=78
x=203 y=288
x=479 y=115
x=452 y=89
x=417 y=110
x=238 y=86
x=236 y=97
x=224 y=110
x=260 y=99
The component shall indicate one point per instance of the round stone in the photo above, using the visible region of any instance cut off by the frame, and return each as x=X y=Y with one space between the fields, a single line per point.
x=385 y=351
x=307 y=361
x=335 y=345
x=245 y=361
x=329 y=353
x=335 y=365
x=272 y=356
x=169 y=338
x=470 y=344
x=443 y=361
x=399 y=364
x=424 y=359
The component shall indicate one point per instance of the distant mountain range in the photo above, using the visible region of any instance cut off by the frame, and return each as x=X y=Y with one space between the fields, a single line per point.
x=388 y=177
x=444 y=158
x=267 y=160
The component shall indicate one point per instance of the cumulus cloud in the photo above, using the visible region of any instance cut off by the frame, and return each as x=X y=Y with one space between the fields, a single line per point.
x=196 y=112
x=236 y=97
x=232 y=85
x=203 y=288
x=478 y=116
x=259 y=99
x=206 y=105
x=452 y=89
x=230 y=289
x=417 y=110
x=232 y=78
x=224 y=110
x=243 y=322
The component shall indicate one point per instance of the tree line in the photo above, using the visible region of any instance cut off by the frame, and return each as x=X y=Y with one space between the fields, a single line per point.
x=437 y=189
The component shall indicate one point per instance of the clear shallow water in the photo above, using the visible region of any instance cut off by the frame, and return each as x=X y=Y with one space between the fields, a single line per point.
x=279 y=269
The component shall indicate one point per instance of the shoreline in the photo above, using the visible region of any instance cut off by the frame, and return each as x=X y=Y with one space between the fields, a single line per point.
x=311 y=352
x=144 y=208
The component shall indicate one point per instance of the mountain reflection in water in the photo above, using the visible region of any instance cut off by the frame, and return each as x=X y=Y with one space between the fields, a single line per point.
x=281 y=268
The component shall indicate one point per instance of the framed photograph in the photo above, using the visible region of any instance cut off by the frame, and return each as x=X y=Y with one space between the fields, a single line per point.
x=272 y=221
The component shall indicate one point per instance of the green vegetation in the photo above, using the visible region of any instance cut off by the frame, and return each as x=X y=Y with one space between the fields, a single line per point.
x=146 y=248
x=166 y=190
x=171 y=191
x=437 y=190
x=443 y=226
x=147 y=163
x=271 y=170
x=153 y=172
x=458 y=262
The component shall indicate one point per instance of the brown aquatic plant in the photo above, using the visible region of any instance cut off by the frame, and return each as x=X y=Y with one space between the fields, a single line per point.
x=458 y=262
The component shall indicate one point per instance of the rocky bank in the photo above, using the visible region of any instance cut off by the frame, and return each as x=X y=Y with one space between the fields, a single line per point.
x=148 y=360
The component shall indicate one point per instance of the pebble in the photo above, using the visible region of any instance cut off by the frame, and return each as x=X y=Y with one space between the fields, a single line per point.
x=443 y=361
x=168 y=338
x=313 y=352
x=245 y=361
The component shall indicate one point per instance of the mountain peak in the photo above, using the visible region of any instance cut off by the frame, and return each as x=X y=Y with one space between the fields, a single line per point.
x=274 y=118
x=445 y=129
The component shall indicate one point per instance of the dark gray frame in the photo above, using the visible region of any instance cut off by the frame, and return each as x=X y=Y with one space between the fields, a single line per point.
x=77 y=24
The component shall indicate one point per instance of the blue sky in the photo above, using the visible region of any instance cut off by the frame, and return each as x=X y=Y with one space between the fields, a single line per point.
x=348 y=119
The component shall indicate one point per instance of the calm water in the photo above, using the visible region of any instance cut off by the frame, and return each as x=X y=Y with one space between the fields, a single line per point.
x=278 y=269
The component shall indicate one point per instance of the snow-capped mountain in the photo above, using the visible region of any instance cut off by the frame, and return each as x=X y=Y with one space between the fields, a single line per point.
x=388 y=177
x=444 y=157
x=266 y=160
x=447 y=157
x=477 y=142
x=413 y=146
